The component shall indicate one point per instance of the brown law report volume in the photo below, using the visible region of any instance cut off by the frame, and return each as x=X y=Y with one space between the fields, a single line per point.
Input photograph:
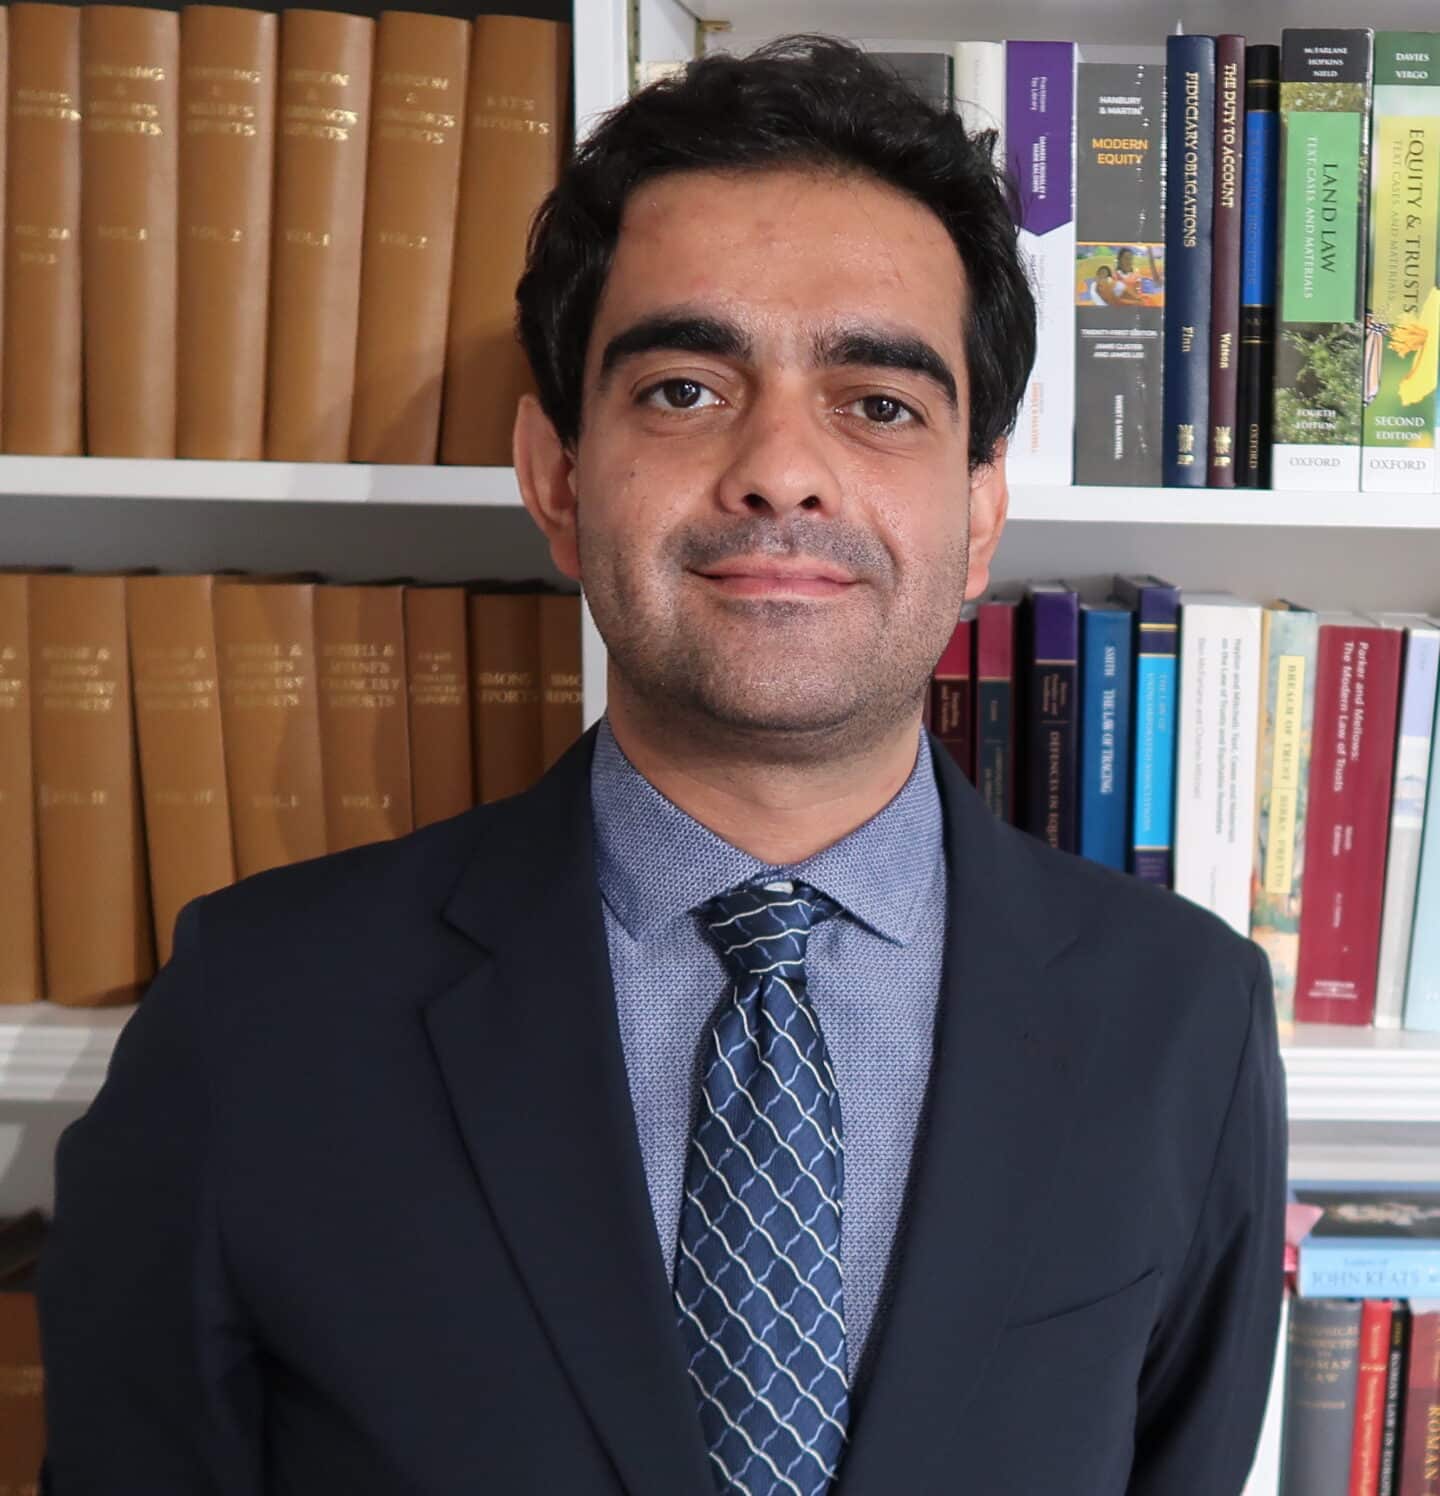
x=561 y=702
x=22 y=1385
x=515 y=116
x=41 y=357
x=322 y=131
x=94 y=894
x=505 y=686
x=4 y=156
x=227 y=148
x=442 y=773
x=364 y=719
x=130 y=64
x=182 y=754
x=410 y=197
x=270 y=716
x=20 y=972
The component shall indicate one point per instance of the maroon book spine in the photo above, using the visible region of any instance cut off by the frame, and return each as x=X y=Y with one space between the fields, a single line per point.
x=1225 y=256
x=952 y=698
x=1420 y=1439
x=1357 y=687
x=995 y=707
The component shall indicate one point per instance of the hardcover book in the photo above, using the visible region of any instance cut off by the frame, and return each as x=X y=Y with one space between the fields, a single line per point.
x=1106 y=632
x=561 y=674
x=323 y=125
x=952 y=698
x=515 y=141
x=1369 y=1429
x=22 y=1386
x=1289 y=637
x=1039 y=153
x=1419 y=1446
x=42 y=352
x=1052 y=718
x=1119 y=277
x=1402 y=311
x=1324 y=171
x=1356 y=700
x=130 y=58
x=20 y=972
x=1419 y=680
x=505 y=666
x=228 y=59
x=437 y=668
x=188 y=837
x=413 y=177
x=995 y=706
x=1225 y=265
x=94 y=894
x=1189 y=241
x=1374 y=1241
x=269 y=707
x=1254 y=422
x=1156 y=606
x=1422 y=979
x=1218 y=718
x=364 y=714
x=1388 y=1480
x=978 y=88
x=1322 y=1371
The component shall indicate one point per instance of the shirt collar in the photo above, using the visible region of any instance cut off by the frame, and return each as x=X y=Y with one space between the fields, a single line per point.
x=655 y=863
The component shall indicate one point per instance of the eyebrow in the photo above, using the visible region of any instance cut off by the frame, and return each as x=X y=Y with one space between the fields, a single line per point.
x=871 y=347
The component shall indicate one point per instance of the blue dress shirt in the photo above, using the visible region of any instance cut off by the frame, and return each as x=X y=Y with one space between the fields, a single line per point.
x=873 y=974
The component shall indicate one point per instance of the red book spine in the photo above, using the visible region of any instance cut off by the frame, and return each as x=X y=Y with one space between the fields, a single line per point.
x=1370 y=1397
x=1420 y=1441
x=995 y=707
x=952 y=698
x=1357 y=682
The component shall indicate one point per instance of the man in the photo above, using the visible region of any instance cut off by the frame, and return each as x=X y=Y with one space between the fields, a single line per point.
x=513 y=1157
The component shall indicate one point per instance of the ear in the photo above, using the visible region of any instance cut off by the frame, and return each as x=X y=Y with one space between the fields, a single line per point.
x=546 y=474
x=989 y=504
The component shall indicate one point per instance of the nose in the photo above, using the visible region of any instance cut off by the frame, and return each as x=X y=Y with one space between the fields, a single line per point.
x=779 y=464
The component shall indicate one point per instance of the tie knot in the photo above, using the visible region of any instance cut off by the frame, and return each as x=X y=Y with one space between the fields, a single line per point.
x=763 y=928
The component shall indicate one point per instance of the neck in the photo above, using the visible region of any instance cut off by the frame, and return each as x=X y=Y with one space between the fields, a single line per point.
x=780 y=807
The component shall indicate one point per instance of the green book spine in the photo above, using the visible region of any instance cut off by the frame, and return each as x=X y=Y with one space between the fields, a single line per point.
x=1324 y=172
x=1402 y=311
x=1288 y=642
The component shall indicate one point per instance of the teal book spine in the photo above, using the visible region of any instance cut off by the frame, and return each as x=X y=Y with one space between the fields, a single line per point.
x=1105 y=646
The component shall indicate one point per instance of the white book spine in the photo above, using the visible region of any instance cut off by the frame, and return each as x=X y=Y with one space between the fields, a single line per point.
x=1265 y=1472
x=1040 y=158
x=980 y=88
x=1297 y=468
x=1422 y=980
x=1407 y=821
x=1218 y=728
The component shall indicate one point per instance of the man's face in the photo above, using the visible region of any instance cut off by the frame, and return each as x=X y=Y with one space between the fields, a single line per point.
x=771 y=482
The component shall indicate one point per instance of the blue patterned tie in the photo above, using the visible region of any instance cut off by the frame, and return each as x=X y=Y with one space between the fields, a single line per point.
x=757 y=1276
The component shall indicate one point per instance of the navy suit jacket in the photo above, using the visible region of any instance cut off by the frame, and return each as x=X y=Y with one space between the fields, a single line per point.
x=360 y=1207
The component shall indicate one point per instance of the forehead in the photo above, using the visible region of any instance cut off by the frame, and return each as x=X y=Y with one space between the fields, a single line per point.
x=785 y=250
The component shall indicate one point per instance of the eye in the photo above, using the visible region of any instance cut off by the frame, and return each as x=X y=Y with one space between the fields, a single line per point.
x=679 y=394
x=886 y=410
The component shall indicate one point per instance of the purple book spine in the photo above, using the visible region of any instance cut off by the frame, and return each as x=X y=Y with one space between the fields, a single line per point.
x=1054 y=662
x=1225 y=265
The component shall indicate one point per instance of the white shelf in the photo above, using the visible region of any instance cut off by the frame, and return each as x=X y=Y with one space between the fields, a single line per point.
x=1218 y=506
x=294 y=482
x=51 y=1053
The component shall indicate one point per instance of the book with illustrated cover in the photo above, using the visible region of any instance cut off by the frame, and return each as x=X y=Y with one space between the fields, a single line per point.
x=1402 y=311
x=1119 y=273
x=1324 y=183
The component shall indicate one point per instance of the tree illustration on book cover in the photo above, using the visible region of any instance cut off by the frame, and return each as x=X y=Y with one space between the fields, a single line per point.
x=1318 y=366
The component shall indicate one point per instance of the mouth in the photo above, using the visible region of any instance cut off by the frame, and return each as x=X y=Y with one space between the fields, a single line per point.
x=754 y=576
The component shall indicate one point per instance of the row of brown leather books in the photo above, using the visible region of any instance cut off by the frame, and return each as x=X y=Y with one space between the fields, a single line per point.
x=231 y=234
x=162 y=736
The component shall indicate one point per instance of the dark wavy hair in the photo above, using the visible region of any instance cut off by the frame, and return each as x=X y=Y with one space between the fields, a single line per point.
x=799 y=101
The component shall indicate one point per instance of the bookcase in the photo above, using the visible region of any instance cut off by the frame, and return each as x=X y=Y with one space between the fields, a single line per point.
x=1363 y=1103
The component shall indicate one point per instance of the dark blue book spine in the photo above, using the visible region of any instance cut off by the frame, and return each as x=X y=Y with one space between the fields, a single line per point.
x=1105 y=648
x=1053 y=663
x=1189 y=222
x=1257 y=267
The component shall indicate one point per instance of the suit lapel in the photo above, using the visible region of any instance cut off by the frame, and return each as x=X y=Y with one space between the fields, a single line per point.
x=1010 y=1049
x=530 y=1050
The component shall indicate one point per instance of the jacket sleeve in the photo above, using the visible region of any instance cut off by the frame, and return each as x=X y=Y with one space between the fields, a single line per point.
x=1207 y=1373
x=150 y=1382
